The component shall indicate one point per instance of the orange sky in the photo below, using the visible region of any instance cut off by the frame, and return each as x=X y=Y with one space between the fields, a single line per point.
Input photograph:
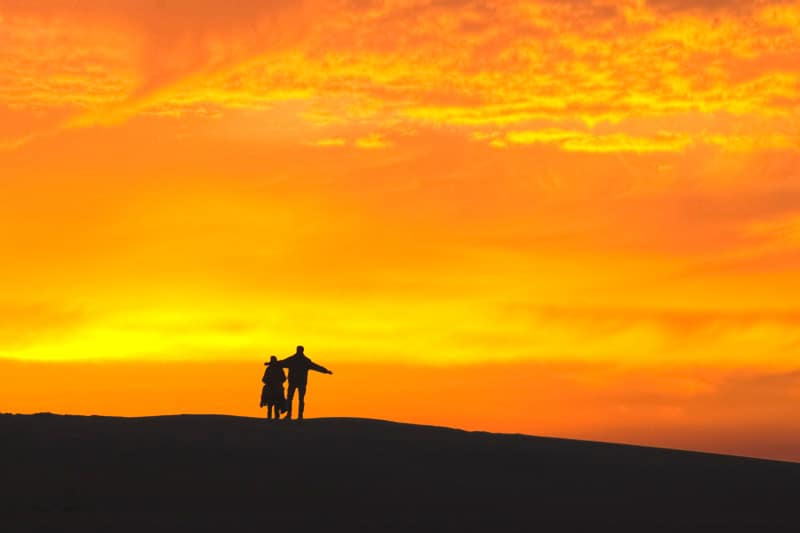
x=566 y=218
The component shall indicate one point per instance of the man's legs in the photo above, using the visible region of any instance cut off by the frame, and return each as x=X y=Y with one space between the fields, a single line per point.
x=301 y=400
x=289 y=398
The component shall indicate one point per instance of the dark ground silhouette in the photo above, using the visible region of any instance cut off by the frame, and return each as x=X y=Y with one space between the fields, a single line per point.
x=221 y=473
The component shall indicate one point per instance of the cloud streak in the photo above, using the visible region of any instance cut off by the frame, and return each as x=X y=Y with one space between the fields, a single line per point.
x=500 y=65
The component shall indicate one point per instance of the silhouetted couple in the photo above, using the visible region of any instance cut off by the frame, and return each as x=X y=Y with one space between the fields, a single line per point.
x=274 y=377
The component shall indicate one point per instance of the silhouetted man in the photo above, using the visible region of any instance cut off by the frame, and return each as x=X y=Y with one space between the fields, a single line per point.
x=299 y=365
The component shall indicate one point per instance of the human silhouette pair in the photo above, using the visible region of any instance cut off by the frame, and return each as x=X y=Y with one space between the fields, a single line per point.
x=272 y=393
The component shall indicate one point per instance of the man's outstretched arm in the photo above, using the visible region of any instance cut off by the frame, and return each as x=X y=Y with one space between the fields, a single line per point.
x=283 y=363
x=319 y=368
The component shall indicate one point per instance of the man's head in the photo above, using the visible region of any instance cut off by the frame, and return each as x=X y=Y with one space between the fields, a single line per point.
x=273 y=359
x=300 y=349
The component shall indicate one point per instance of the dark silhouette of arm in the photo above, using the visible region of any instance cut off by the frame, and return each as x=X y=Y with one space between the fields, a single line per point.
x=319 y=368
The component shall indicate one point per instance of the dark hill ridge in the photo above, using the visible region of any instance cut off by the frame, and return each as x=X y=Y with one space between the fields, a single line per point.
x=223 y=473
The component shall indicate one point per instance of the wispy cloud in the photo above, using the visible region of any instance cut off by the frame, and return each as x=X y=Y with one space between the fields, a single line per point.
x=515 y=62
x=335 y=141
x=372 y=141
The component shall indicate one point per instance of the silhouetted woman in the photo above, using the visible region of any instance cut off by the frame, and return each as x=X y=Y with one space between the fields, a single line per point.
x=272 y=393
